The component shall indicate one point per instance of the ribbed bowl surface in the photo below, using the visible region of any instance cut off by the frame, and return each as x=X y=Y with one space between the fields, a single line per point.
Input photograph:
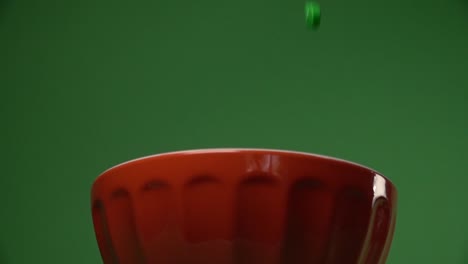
x=243 y=206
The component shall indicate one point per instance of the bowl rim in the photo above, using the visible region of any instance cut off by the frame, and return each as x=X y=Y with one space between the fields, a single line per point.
x=243 y=150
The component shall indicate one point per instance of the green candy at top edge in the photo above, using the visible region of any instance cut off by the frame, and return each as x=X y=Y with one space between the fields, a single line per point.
x=312 y=12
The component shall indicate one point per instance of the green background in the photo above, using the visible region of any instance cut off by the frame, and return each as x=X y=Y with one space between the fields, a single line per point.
x=87 y=84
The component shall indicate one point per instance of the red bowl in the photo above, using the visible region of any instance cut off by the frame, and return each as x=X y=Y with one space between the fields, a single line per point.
x=243 y=206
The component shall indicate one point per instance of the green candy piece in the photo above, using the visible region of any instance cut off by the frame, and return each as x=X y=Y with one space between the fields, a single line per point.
x=312 y=12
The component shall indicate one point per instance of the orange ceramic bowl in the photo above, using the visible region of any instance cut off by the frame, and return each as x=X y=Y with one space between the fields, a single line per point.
x=243 y=206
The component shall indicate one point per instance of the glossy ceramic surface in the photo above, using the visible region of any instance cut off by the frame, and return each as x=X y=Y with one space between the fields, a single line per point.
x=243 y=206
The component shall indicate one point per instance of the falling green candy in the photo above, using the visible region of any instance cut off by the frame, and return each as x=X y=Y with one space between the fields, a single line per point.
x=312 y=12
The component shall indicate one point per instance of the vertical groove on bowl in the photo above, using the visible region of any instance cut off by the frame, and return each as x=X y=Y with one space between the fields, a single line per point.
x=208 y=220
x=102 y=233
x=310 y=208
x=379 y=227
x=350 y=222
x=200 y=222
x=122 y=228
x=153 y=217
x=389 y=238
x=260 y=211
